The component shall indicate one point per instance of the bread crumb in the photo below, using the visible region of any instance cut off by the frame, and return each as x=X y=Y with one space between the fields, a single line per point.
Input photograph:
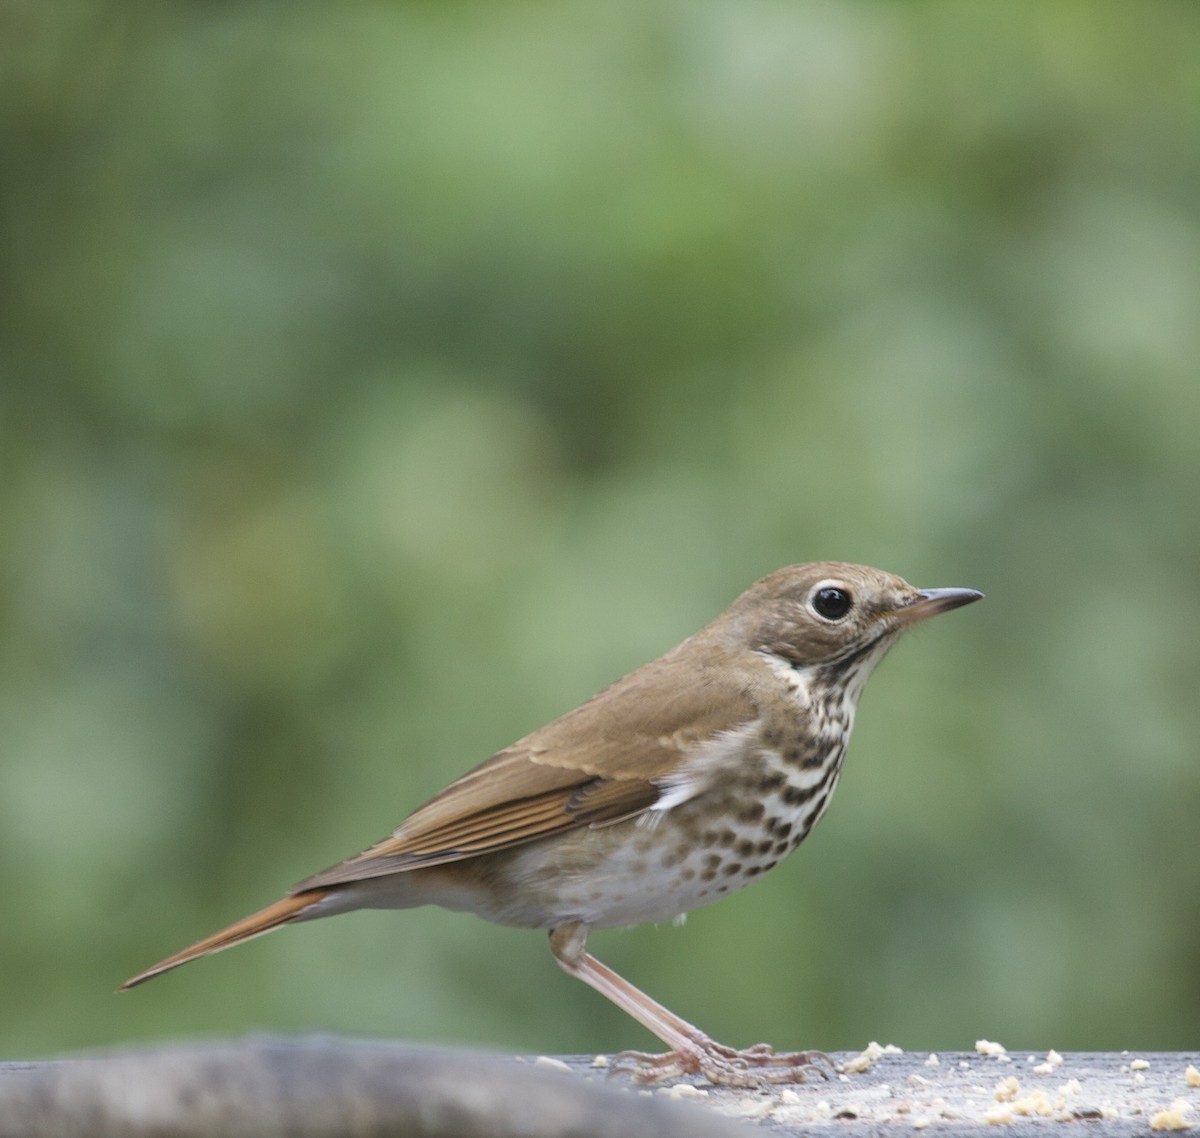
x=998 y=1116
x=1140 y=1065
x=683 y=1090
x=1070 y=1087
x=933 y=1060
x=1192 y=1076
x=551 y=1063
x=789 y=1097
x=862 y=1061
x=600 y=1061
x=1053 y=1061
x=1036 y=1103
x=1174 y=1117
x=915 y=1080
x=1007 y=1089
x=1139 y=1078
x=990 y=1049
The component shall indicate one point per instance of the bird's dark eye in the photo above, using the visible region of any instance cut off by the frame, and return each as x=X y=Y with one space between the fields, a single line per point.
x=831 y=603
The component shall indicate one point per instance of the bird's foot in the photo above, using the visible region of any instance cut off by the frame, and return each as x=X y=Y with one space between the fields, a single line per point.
x=723 y=1066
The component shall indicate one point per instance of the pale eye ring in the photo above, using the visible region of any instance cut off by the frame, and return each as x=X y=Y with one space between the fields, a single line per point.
x=831 y=602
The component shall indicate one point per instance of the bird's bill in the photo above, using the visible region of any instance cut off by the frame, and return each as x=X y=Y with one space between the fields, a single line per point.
x=930 y=602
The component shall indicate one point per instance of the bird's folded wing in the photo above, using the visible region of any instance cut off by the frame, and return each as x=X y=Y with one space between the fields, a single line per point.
x=610 y=758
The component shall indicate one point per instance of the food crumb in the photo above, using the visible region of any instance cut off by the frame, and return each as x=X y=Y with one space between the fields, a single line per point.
x=1140 y=1065
x=998 y=1116
x=933 y=1060
x=1037 y=1103
x=1192 y=1076
x=683 y=1090
x=1053 y=1061
x=862 y=1061
x=551 y=1063
x=600 y=1061
x=1070 y=1087
x=1007 y=1089
x=789 y=1097
x=990 y=1049
x=1174 y=1117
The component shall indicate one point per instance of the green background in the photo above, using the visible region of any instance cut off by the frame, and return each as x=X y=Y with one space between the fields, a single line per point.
x=381 y=380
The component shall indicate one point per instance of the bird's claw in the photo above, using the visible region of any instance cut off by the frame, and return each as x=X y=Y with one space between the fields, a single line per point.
x=723 y=1066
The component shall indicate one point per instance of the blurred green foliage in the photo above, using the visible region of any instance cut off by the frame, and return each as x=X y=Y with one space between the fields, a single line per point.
x=379 y=380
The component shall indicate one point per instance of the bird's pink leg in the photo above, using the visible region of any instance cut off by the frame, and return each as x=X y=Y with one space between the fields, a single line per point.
x=692 y=1052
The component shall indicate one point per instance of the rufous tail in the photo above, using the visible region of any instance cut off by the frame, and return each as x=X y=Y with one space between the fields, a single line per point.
x=247 y=928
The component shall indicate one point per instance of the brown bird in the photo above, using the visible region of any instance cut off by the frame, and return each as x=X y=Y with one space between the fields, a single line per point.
x=675 y=786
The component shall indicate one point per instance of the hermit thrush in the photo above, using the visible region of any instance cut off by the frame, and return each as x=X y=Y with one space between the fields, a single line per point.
x=678 y=784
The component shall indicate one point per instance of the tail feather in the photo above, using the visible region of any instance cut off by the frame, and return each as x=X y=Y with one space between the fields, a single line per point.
x=247 y=928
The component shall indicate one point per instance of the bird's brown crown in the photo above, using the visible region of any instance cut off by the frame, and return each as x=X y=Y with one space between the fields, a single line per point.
x=820 y=612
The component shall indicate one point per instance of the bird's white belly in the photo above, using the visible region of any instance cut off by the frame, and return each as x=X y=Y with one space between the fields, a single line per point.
x=659 y=865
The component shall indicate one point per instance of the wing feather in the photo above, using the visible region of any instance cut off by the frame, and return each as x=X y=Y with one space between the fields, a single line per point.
x=610 y=758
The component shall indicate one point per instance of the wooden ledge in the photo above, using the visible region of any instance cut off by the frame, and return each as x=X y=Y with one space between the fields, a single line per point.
x=318 y=1087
